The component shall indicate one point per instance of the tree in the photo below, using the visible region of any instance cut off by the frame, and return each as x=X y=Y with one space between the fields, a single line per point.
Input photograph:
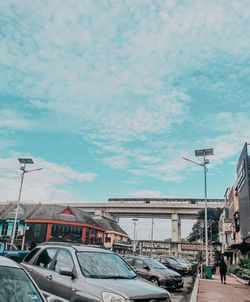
x=198 y=230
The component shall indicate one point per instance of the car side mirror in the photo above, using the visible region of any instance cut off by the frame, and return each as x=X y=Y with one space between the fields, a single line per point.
x=66 y=271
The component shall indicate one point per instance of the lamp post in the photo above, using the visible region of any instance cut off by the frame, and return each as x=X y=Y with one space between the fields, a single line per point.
x=134 y=245
x=23 y=162
x=152 y=236
x=203 y=153
x=211 y=246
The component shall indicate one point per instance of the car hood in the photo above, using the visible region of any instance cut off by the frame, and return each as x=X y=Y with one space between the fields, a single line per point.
x=129 y=288
x=180 y=266
x=168 y=272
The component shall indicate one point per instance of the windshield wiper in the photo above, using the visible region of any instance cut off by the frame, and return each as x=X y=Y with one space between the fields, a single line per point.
x=118 y=277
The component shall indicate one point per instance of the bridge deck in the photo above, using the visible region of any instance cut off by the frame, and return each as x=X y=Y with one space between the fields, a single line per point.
x=149 y=210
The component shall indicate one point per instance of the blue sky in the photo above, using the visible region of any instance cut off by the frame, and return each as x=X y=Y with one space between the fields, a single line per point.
x=108 y=96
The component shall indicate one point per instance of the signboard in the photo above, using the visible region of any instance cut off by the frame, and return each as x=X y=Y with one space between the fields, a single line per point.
x=241 y=176
x=193 y=247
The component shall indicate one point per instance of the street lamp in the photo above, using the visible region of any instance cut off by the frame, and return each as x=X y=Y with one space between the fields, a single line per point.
x=134 y=245
x=152 y=236
x=203 y=153
x=211 y=245
x=23 y=162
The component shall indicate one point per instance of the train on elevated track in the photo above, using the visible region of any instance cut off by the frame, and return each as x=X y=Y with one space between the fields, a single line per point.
x=190 y=201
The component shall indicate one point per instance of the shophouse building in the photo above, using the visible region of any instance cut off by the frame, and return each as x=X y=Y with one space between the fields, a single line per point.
x=38 y=223
x=116 y=239
x=234 y=225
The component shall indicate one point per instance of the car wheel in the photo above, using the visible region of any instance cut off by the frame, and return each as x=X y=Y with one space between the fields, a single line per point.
x=155 y=281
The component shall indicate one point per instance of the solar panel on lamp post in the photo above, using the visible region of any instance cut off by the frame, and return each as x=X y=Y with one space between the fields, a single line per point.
x=203 y=153
x=23 y=162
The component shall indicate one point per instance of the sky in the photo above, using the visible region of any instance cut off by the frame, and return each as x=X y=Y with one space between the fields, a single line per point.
x=109 y=96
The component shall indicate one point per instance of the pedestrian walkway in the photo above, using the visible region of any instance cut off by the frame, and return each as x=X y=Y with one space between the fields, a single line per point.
x=214 y=290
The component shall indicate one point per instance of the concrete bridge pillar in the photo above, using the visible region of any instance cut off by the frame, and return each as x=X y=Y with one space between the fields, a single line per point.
x=176 y=228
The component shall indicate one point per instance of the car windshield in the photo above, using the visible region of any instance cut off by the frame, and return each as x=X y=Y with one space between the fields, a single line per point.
x=16 y=286
x=104 y=266
x=154 y=263
x=172 y=261
x=181 y=260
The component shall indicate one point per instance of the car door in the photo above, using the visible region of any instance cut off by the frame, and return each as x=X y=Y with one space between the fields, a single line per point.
x=60 y=285
x=140 y=267
x=40 y=269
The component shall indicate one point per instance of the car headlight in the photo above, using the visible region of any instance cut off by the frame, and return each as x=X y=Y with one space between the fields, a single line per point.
x=167 y=277
x=112 y=297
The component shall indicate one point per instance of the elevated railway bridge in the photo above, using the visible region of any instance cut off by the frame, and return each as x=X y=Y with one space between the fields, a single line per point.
x=175 y=209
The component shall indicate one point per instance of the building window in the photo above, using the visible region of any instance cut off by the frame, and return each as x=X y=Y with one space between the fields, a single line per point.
x=99 y=237
x=4 y=229
x=93 y=236
x=16 y=232
x=37 y=231
x=66 y=233
x=87 y=235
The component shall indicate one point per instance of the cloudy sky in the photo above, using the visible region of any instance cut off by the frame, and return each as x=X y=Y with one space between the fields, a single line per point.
x=108 y=96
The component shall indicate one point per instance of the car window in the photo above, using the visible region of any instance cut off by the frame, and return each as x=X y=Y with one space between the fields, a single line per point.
x=160 y=260
x=63 y=259
x=45 y=258
x=172 y=261
x=31 y=254
x=139 y=263
x=129 y=260
x=154 y=263
x=16 y=286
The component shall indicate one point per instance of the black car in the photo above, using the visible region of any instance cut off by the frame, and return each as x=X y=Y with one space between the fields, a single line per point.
x=172 y=264
x=155 y=272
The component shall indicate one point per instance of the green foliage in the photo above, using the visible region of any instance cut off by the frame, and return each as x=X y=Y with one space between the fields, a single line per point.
x=244 y=263
x=213 y=216
x=242 y=270
x=234 y=269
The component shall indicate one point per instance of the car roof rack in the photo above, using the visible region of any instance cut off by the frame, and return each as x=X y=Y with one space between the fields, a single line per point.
x=72 y=244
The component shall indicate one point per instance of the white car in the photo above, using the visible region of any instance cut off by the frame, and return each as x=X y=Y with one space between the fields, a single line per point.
x=16 y=284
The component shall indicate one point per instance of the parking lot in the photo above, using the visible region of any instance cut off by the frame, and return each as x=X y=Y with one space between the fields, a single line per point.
x=183 y=295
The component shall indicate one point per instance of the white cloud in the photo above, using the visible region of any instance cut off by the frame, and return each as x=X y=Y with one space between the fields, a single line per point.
x=116 y=162
x=39 y=185
x=122 y=84
x=12 y=120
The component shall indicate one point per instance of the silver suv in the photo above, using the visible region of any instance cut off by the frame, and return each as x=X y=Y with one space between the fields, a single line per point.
x=78 y=273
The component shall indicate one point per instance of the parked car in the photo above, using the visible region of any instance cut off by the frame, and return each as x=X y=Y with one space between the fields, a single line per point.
x=172 y=264
x=155 y=272
x=80 y=273
x=187 y=264
x=16 y=284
